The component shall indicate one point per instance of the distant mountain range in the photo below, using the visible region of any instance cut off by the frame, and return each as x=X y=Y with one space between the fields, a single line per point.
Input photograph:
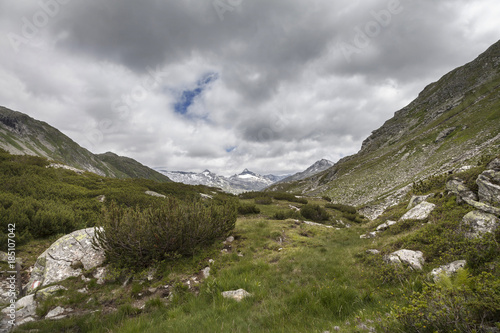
x=239 y=183
x=21 y=134
x=243 y=182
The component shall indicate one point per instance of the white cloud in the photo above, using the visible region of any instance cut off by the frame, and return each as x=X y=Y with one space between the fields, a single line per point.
x=109 y=73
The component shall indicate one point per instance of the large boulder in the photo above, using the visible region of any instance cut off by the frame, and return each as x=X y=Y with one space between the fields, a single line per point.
x=67 y=257
x=489 y=187
x=479 y=222
x=458 y=187
x=413 y=258
x=419 y=212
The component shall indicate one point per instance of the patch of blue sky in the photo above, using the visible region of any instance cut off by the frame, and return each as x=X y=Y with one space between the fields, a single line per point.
x=187 y=97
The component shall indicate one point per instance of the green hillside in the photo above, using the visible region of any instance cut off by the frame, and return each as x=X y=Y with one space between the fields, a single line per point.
x=462 y=109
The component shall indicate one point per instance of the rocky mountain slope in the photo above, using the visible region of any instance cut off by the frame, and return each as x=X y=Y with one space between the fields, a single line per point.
x=236 y=184
x=317 y=167
x=452 y=123
x=23 y=135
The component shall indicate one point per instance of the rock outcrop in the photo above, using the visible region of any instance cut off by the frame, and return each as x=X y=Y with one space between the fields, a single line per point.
x=66 y=257
x=489 y=187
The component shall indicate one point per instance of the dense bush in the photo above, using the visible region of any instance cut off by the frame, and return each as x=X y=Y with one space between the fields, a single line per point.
x=247 y=209
x=458 y=304
x=136 y=238
x=342 y=208
x=288 y=197
x=348 y=212
x=314 y=213
x=286 y=214
x=326 y=198
x=263 y=200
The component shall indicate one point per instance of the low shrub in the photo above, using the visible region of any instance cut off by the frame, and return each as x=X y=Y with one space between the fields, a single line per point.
x=137 y=238
x=286 y=214
x=314 y=212
x=458 y=304
x=263 y=200
x=247 y=209
x=287 y=197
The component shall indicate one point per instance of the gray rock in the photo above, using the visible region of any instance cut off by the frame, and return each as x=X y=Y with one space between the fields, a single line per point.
x=416 y=199
x=463 y=193
x=230 y=239
x=413 y=258
x=47 y=292
x=100 y=274
x=373 y=251
x=484 y=207
x=448 y=270
x=385 y=225
x=206 y=272
x=318 y=224
x=24 y=310
x=419 y=212
x=54 y=264
x=369 y=235
x=489 y=187
x=55 y=313
x=494 y=165
x=155 y=194
x=480 y=222
x=441 y=136
x=237 y=295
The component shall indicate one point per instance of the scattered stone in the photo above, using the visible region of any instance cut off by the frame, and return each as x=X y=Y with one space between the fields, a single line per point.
x=462 y=169
x=84 y=279
x=385 y=225
x=83 y=291
x=373 y=251
x=237 y=295
x=445 y=133
x=153 y=290
x=230 y=239
x=480 y=223
x=318 y=224
x=292 y=207
x=54 y=264
x=55 y=312
x=100 y=274
x=224 y=251
x=206 y=272
x=206 y=196
x=101 y=198
x=413 y=258
x=419 y=212
x=416 y=199
x=25 y=309
x=211 y=261
x=66 y=167
x=449 y=269
x=489 y=187
x=155 y=194
x=151 y=273
x=240 y=254
x=369 y=235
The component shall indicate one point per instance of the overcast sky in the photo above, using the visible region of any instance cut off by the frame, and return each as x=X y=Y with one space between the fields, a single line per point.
x=269 y=85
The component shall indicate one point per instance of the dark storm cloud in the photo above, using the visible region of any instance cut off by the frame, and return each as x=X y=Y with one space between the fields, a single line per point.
x=296 y=80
